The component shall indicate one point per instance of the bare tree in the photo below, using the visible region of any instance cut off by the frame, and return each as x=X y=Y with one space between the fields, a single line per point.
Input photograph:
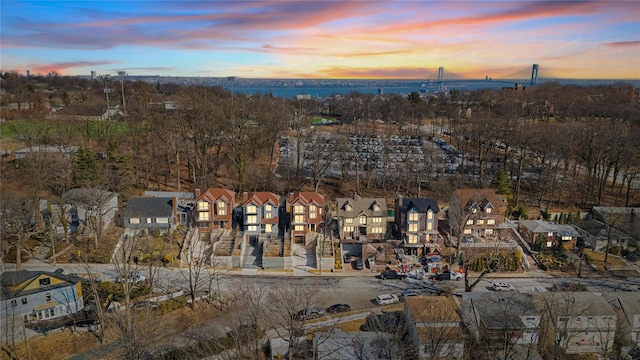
x=18 y=223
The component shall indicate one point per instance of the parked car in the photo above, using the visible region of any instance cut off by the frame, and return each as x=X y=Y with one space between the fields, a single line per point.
x=338 y=308
x=447 y=275
x=391 y=274
x=408 y=293
x=311 y=312
x=134 y=278
x=357 y=264
x=387 y=299
x=502 y=286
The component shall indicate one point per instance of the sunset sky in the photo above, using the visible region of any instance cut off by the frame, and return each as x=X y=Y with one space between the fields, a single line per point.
x=371 y=39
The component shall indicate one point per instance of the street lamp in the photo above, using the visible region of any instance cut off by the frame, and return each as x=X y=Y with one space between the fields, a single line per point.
x=122 y=74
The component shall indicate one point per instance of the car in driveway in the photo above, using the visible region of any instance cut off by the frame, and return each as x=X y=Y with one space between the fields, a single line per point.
x=502 y=286
x=312 y=312
x=391 y=274
x=338 y=308
x=134 y=278
x=387 y=299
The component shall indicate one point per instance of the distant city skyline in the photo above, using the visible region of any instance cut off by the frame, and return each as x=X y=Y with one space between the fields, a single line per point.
x=323 y=39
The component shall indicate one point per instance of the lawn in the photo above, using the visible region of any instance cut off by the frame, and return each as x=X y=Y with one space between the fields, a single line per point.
x=598 y=259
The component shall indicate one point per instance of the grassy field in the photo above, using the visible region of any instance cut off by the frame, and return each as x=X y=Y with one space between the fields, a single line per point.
x=598 y=260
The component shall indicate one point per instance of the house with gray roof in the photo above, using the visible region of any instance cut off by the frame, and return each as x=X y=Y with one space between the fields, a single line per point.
x=361 y=218
x=548 y=233
x=597 y=234
x=151 y=213
x=416 y=222
x=627 y=306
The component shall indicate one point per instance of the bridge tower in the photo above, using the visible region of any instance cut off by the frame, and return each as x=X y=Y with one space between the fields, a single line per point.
x=534 y=74
x=440 y=74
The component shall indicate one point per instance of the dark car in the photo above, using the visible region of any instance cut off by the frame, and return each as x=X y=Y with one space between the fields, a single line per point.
x=357 y=264
x=338 y=308
x=391 y=274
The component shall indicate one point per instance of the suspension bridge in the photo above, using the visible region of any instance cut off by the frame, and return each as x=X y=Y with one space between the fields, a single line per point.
x=523 y=77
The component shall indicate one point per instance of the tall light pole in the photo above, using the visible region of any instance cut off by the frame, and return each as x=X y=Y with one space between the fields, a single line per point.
x=122 y=74
x=106 y=80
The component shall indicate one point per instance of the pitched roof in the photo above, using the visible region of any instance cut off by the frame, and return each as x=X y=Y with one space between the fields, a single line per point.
x=149 y=207
x=437 y=309
x=214 y=194
x=307 y=197
x=575 y=303
x=11 y=279
x=502 y=310
x=261 y=198
x=539 y=226
x=362 y=205
x=421 y=204
x=481 y=197
x=88 y=196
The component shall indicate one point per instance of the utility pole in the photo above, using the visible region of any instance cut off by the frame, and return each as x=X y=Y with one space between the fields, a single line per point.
x=106 y=80
x=122 y=74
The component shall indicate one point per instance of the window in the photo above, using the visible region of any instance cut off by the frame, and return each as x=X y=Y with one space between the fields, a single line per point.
x=470 y=222
x=45 y=281
x=347 y=229
x=474 y=210
x=376 y=207
x=268 y=214
x=47 y=297
x=480 y=222
x=134 y=221
x=491 y=222
x=162 y=220
x=298 y=219
x=363 y=220
x=413 y=239
x=488 y=231
x=377 y=220
x=203 y=216
x=222 y=208
x=563 y=318
x=376 y=230
x=566 y=238
x=429 y=215
x=467 y=231
x=14 y=303
x=298 y=209
x=413 y=227
x=252 y=228
x=413 y=216
x=268 y=208
x=549 y=234
x=348 y=208
x=252 y=209
x=298 y=228
x=313 y=211
x=24 y=300
x=268 y=228
x=429 y=225
x=203 y=205
x=348 y=220
x=252 y=219
x=549 y=244
x=488 y=210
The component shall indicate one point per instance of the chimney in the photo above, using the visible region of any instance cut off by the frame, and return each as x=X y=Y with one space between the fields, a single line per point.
x=197 y=193
x=174 y=202
x=245 y=196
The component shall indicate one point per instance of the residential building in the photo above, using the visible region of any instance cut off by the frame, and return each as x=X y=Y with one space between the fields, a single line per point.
x=501 y=320
x=339 y=345
x=547 y=234
x=260 y=213
x=597 y=234
x=434 y=327
x=627 y=306
x=625 y=219
x=36 y=296
x=151 y=214
x=305 y=211
x=417 y=224
x=185 y=204
x=83 y=209
x=362 y=218
x=214 y=209
x=480 y=211
x=576 y=323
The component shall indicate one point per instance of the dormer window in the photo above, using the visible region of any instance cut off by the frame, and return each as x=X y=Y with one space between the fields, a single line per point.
x=429 y=215
x=488 y=210
x=474 y=210
x=348 y=207
x=45 y=281
x=413 y=216
x=376 y=207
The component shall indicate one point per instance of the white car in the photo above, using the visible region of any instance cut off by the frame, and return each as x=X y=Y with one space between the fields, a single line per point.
x=502 y=286
x=387 y=299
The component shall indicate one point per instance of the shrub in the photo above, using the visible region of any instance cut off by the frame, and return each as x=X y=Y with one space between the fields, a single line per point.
x=615 y=250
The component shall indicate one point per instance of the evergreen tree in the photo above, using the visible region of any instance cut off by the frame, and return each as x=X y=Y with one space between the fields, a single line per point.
x=502 y=184
x=86 y=170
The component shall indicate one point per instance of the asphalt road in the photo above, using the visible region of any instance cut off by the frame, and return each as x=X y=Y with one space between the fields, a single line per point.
x=358 y=290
